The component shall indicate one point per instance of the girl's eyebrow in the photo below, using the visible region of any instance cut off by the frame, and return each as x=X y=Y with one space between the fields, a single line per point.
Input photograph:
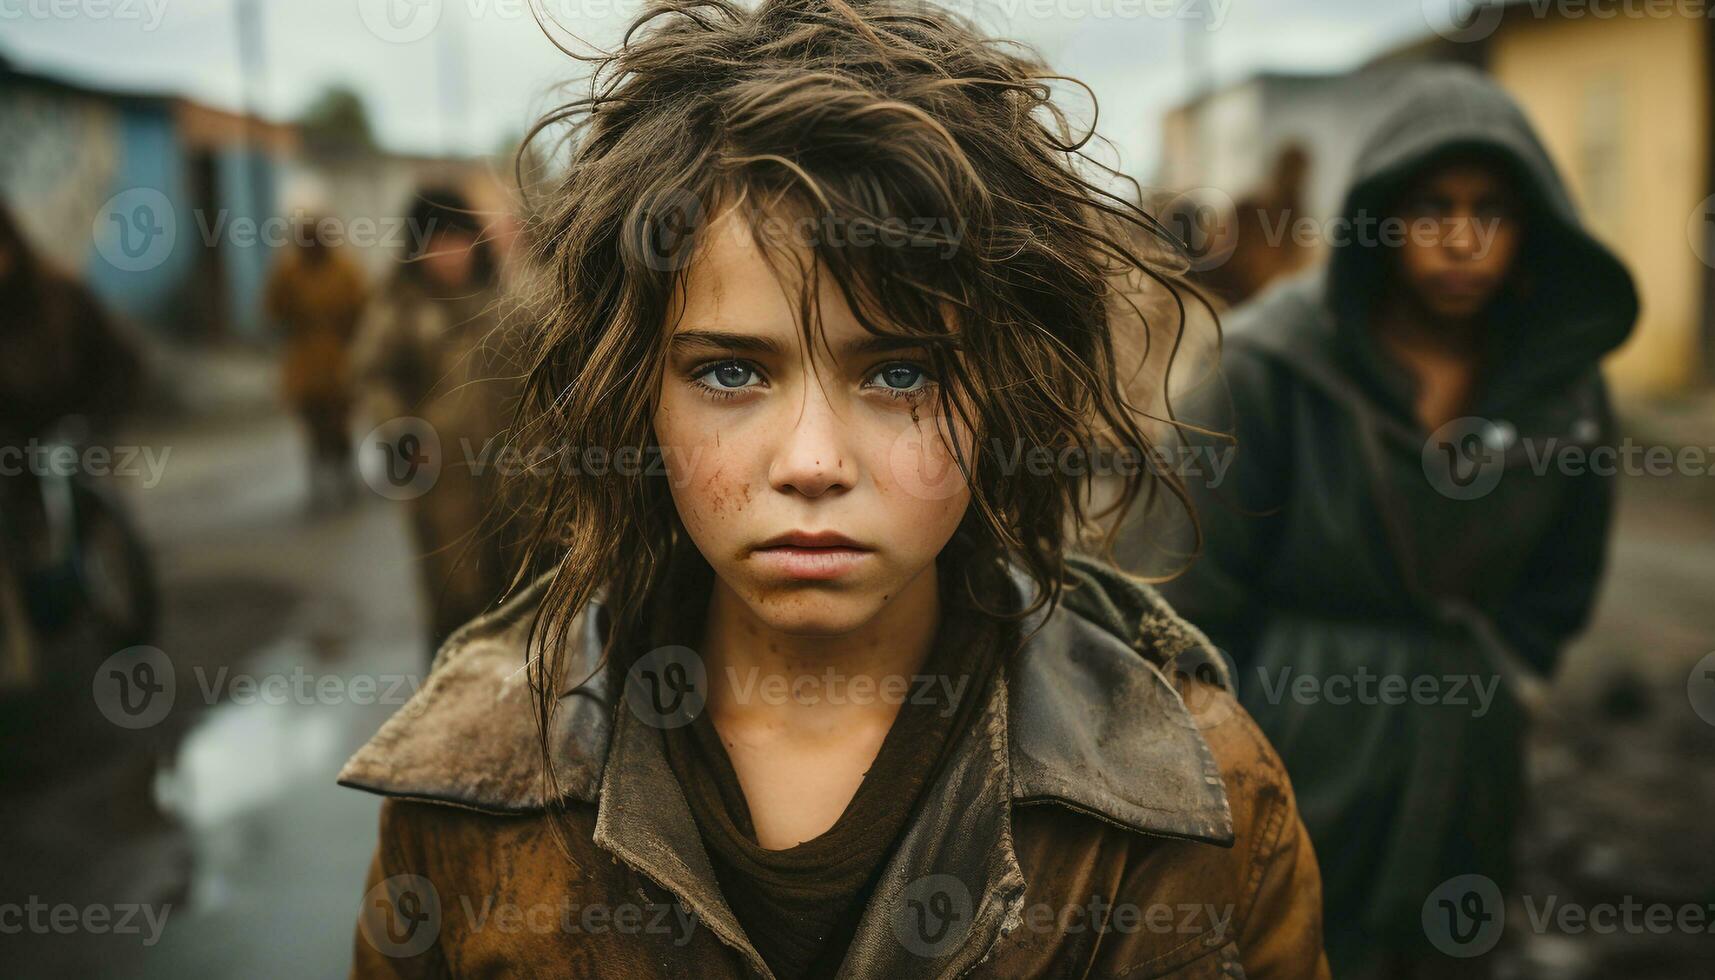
x=721 y=340
x=724 y=341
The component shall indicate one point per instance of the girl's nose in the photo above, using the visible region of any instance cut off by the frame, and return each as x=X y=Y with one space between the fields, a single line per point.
x=812 y=455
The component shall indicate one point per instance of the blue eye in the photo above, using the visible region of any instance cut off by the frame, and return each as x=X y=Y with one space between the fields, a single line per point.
x=728 y=375
x=902 y=380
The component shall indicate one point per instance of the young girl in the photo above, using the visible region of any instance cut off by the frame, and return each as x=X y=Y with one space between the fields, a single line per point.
x=1400 y=549
x=813 y=688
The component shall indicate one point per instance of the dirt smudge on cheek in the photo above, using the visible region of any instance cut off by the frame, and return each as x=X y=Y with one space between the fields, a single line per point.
x=722 y=497
x=714 y=494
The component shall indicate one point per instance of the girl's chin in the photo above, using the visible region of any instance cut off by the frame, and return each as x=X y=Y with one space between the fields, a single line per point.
x=804 y=611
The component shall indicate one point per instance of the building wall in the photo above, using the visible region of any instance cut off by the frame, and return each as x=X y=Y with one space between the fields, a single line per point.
x=245 y=189
x=150 y=158
x=70 y=156
x=77 y=165
x=59 y=163
x=1230 y=139
x=1623 y=105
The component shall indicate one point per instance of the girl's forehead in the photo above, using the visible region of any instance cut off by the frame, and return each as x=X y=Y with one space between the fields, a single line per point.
x=746 y=279
x=737 y=284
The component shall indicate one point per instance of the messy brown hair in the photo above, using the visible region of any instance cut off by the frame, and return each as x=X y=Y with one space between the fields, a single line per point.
x=877 y=115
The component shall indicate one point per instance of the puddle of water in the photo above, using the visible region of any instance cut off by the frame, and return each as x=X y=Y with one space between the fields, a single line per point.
x=242 y=758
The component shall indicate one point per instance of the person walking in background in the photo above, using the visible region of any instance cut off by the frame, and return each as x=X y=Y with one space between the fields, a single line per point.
x=1385 y=516
x=315 y=294
x=429 y=349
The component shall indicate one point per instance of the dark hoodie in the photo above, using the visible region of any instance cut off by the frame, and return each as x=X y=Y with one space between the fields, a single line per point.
x=1349 y=546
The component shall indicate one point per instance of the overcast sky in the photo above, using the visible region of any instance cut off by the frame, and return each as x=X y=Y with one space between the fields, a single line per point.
x=402 y=56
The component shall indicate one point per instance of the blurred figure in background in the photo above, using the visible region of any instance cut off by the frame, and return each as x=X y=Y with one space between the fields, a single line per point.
x=316 y=293
x=60 y=353
x=66 y=371
x=430 y=346
x=1263 y=245
x=1382 y=518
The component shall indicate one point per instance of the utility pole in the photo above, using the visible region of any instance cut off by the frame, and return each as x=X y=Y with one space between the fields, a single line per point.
x=454 y=81
x=253 y=75
x=1199 y=80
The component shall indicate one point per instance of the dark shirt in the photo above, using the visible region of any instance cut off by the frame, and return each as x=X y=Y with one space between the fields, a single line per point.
x=800 y=906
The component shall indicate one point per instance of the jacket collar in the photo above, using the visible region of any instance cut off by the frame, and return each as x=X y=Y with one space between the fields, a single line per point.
x=949 y=888
x=1082 y=717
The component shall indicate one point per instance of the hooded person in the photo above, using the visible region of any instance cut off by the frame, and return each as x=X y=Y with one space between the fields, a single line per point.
x=1406 y=536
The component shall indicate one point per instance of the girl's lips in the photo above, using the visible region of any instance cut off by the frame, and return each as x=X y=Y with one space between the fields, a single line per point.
x=810 y=564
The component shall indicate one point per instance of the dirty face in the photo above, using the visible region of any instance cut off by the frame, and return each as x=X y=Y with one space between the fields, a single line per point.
x=816 y=482
x=1462 y=235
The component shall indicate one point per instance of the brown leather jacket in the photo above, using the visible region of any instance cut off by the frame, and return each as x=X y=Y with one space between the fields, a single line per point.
x=1115 y=813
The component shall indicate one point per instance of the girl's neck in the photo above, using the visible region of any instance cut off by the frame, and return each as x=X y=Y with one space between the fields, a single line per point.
x=822 y=677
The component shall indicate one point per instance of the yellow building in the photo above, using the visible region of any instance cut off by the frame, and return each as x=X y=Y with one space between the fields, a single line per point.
x=1624 y=103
